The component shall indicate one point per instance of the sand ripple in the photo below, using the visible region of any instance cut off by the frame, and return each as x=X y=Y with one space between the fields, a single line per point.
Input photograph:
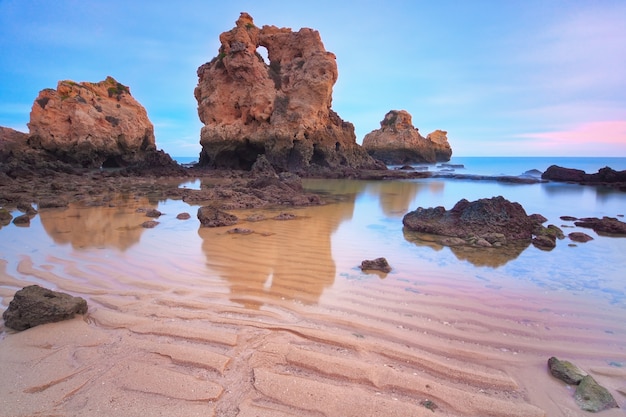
x=269 y=324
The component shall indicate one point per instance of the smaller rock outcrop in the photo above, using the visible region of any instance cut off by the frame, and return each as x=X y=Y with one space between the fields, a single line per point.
x=91 y=125
x=482 y=223
x=35 y=305
x=398 y=142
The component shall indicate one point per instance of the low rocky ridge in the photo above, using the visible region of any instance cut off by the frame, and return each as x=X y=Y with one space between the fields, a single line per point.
x=604 y=176
x=485 y=222
x=398 y=142
x=281 y=109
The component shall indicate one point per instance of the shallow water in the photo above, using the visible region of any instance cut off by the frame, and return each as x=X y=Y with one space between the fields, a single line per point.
x=442 y=314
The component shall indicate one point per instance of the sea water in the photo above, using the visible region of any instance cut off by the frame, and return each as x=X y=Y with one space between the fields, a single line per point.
x=514 y=166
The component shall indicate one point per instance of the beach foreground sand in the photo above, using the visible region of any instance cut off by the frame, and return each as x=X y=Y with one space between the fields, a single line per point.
x=170 y=353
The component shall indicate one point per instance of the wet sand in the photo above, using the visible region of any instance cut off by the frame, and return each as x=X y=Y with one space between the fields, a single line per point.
x=274 y=323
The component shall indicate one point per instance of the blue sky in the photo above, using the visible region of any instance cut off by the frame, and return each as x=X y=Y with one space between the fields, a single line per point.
x=522 y=78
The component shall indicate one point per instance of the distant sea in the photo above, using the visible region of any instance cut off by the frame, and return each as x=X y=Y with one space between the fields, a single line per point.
x=186 y=159
x=499 y=166
x=514 y=166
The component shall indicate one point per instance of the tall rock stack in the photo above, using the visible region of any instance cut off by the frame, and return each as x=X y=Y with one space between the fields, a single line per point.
x=281 y=109
x=399 y=142
x=91 y=124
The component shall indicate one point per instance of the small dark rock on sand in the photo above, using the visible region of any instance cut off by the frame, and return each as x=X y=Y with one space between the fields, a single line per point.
x=378 y=264
x=35 y=305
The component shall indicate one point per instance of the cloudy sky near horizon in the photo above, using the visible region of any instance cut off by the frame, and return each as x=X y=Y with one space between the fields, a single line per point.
x=519 y=78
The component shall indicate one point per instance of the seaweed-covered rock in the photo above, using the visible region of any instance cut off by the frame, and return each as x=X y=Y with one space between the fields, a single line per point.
x=565 y=371
x=35 y=305
x=591 y=396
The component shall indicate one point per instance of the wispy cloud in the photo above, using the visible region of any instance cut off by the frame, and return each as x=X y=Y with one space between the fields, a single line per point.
x=601 y=138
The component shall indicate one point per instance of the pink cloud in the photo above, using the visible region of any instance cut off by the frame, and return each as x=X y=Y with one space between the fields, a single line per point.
x=605 y=138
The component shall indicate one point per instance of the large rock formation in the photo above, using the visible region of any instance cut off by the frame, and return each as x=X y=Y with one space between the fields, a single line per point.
x=281 y=109
x=398 y=142
x=91 y=124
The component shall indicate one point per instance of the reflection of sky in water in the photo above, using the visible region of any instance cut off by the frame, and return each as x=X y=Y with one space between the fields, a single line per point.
x=595 y=267
x=364 y=221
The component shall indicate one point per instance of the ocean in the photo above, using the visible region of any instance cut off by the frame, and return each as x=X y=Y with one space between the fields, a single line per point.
x=514 y=165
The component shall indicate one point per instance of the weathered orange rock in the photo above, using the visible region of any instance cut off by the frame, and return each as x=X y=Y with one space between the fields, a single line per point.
x=399 y=142
x=91 y=124
x=281 y=109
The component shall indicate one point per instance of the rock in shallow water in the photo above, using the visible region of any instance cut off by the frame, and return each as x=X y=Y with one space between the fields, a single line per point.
x=378 y=264
x=35 y=305
x=212 y=217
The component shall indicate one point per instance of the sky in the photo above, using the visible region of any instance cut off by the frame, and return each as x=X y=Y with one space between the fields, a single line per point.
x=503 y=78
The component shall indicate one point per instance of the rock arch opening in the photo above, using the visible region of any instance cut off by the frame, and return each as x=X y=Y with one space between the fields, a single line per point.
x=263 y=54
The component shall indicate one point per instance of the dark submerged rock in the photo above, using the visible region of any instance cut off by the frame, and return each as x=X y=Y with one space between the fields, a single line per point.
x=35 y=305
x=285 y=216
x=5 y=216
x=604 y=225
x=22 y=220
x=153 y=213
x=579 y=237
x=378 y=264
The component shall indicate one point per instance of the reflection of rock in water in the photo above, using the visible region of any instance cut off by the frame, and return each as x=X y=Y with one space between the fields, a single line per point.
x=95 y=227
x=395 y=196
x=478 y=256
x=290 y=259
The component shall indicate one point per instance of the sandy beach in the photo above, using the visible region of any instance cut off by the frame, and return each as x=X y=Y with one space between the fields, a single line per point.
x=270 y=324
